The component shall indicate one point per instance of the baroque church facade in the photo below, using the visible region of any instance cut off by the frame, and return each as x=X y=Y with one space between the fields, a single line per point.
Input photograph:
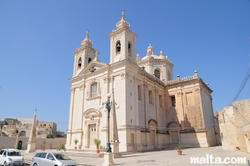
x=156 y=111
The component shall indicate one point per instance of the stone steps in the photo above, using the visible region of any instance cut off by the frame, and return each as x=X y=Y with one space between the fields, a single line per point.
x=92 y=153
x=84 y=153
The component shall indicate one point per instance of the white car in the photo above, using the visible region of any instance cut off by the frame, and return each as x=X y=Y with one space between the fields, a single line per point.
x=52 y=159
x=9 y=157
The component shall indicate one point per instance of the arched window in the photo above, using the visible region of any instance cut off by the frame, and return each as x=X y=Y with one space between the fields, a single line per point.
x=94 y=90
x=157 y=73
x=22 y=133
x=80 y=62
x=150 y=97
x=118 y=47
x=129 y=48
x=173 y=101
x=89 y=60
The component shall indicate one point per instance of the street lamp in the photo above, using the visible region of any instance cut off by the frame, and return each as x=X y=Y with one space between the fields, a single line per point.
x=108 y=104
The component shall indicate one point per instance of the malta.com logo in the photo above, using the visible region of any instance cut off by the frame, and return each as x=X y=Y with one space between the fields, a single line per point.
x=210 y=159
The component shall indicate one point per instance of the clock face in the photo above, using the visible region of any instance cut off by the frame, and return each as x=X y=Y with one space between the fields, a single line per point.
x=117 y=57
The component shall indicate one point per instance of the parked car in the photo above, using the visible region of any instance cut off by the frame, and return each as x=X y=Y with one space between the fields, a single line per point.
x=51 y=159
x=11 y=157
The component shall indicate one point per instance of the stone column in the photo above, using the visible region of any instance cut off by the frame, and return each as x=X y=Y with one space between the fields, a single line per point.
x=108 y=159
x=114 y=133
x=32 y=138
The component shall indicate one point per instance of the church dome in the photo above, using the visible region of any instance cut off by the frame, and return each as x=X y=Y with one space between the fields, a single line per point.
x=150 y=52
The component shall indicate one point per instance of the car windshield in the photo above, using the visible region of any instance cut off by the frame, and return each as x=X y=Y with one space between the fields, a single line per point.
x=14 y=153
x=61 y=156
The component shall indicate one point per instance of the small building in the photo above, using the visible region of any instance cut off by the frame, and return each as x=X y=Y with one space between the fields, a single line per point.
x=10 y=125
x=46 y=128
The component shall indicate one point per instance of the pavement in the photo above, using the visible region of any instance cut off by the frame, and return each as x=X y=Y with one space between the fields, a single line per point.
x=207 y=156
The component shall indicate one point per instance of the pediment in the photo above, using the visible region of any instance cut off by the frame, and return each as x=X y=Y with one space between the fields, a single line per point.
x=92 y=112
x=93 y=66
x=173 y=124
x=152 y=122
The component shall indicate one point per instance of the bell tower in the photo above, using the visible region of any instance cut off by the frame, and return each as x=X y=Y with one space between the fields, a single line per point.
x=84 y=55
x=122 y=42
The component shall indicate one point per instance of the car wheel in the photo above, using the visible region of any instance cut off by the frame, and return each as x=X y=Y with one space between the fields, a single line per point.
x=5 y=163
x=35 y=164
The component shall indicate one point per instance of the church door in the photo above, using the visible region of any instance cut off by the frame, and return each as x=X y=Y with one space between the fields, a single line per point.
x=92 y=135
x=174 y=137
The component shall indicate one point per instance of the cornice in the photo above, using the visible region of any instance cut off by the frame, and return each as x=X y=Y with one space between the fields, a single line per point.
x=117 y=31
x=156 y=61
x=75 y=79
x=206 y=87
x=79 y=49
x=125 y=64
x=188 y=80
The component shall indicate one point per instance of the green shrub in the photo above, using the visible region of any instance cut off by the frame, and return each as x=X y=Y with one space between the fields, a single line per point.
x=97 y=142
x=62 y=147
x=50 y=136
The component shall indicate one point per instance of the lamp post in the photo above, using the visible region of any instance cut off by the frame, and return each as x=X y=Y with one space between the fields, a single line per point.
x=108 y=156
x=108 y=105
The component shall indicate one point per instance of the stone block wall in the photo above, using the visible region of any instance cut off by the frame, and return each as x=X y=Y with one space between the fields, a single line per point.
x=9 y=142
x=242 y=121
x=228 y=129
x=234 y=124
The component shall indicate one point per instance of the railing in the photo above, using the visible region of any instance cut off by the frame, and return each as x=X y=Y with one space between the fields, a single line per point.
x=184 y=79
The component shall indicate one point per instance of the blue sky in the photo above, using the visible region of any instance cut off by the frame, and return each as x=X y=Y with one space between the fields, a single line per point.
x=37 y=40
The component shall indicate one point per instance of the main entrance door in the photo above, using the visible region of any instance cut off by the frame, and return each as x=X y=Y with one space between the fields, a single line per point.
x=92 y=135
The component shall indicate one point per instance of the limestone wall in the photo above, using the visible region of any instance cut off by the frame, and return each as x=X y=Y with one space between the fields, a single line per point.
x=228 y=129
x=9 y=142
x=234 y=124
x=142 y=141
x=194 y=139
x=207 y=110
x=242 y=121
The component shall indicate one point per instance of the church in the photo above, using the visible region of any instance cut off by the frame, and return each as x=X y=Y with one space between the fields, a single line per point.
x=155 y=111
